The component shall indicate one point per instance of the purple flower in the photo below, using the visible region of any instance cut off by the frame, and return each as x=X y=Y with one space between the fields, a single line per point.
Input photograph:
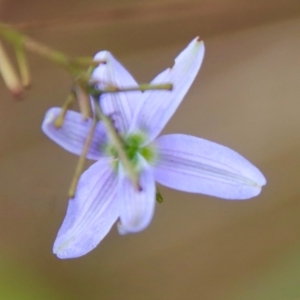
x=105 y=192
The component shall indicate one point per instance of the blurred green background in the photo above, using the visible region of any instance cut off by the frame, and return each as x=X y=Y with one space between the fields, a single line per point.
x=246 y=96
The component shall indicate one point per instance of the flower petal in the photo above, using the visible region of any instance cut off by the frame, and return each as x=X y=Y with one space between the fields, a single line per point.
x=90 y=214
x=196 y=165
x=158 y=106
x=136 y=207
x=121 y=105
x=73 y=133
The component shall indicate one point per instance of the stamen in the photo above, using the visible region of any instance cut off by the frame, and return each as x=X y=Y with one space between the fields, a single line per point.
x=81 y=161
x=68 y=103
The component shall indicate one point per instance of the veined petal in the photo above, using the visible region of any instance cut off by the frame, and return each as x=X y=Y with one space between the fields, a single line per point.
x=136 y=207
x=73 y=133
x=91 y=213
x=158 y=106
x=119 y=106
x=196 y=165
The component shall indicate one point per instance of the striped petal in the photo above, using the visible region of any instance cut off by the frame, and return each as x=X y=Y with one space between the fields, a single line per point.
x=90 y=214
x=158 y=106
x=136 y=206
x=73 y=134
x=119 y=106
x=196 y=165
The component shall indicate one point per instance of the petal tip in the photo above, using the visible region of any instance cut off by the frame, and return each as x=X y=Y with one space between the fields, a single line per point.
x=51 y=114
x=260 y=179
x=101 y=55
x=198 y=41
x=65 y=250
x=60 y=248
x=49 y=118
x=59 y=254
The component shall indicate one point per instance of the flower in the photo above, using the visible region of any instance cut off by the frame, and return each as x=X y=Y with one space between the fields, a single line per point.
x=105 y=192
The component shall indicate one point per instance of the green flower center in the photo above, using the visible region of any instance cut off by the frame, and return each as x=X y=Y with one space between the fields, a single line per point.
x=134 y=146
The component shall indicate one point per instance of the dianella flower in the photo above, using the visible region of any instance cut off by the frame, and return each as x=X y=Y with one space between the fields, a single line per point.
x=105 y=192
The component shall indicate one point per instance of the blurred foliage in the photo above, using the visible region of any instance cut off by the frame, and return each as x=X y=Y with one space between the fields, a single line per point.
x=18 y=282
x=281 y=282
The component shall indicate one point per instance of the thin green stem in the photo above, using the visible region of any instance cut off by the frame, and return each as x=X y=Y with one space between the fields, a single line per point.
x=73 y=65
x=80 y=165
x=83 y=101
x=141 y=87
x=68 y=103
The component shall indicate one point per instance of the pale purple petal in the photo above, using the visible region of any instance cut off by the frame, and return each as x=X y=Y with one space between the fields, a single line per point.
x=196 y=165
x=73 y=134
x=119 y=106
x=91 y=213
x=136 y=206
x=158 y=105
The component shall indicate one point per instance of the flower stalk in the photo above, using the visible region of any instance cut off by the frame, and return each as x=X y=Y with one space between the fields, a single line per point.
x=75 y=66
x=17 y=38
x=9 y=74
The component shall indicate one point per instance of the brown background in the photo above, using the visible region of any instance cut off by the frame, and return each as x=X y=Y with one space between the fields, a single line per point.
x=247 y=96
